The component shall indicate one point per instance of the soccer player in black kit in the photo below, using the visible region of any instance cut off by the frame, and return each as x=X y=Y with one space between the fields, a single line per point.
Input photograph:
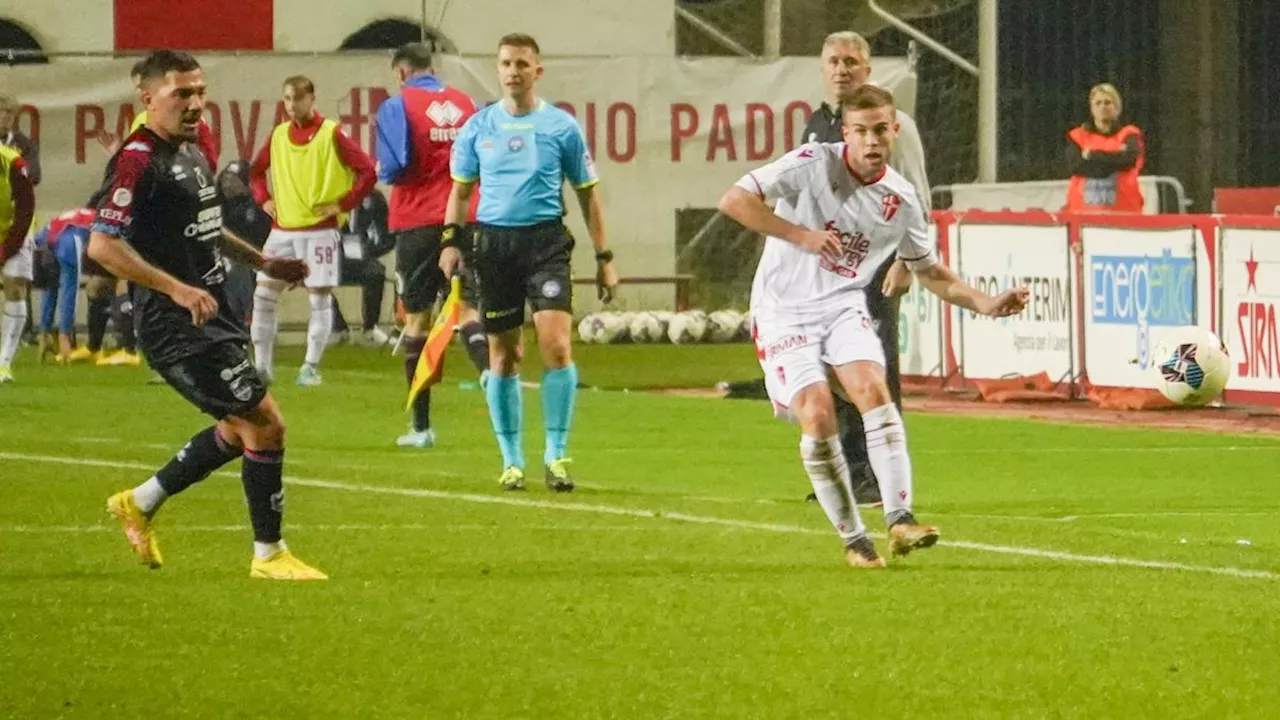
x=159 y=226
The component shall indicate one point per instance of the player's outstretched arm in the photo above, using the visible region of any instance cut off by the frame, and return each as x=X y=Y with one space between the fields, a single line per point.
x=119 y=257
x=290 y=270
x=752 y=213
x=943 y=282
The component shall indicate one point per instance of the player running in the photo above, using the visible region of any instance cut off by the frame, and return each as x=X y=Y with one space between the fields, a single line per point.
x=159 y=226
x=840 y=213
x=521 y=150
x=318 y=175
x=17 y=210
x=416 y=132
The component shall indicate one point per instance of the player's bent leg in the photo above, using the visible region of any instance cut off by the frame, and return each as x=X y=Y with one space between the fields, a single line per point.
x=824 y=462
x=98 y=290
x=420 y=434
x=261 y=431
x=319 y=328
x=886 y=439
x=559 y=394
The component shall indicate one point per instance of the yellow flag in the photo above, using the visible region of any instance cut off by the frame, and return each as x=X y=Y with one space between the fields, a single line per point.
x=431 y=363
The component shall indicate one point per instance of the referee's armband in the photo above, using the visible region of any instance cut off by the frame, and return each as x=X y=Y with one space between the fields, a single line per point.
x=450 y=236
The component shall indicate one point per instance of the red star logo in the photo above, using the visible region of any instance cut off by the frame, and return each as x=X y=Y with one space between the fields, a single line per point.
x=1251 y=266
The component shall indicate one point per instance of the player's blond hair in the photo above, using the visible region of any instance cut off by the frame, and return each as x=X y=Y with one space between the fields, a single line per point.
x=868 y=97
x=1110 y=91
x=301 y=84
x=849 y=37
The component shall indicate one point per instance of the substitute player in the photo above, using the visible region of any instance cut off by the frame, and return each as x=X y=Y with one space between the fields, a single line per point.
x=521 y=150
x=159 y=226
x=67 y=239
x=841 y=213
x=17 y=210
x=318 y=175
x=416 y=132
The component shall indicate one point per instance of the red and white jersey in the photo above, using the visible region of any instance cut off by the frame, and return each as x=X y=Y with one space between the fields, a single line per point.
x=875 y=218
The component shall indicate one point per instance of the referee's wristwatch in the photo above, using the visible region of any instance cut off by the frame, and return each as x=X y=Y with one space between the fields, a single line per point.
x=604 y=256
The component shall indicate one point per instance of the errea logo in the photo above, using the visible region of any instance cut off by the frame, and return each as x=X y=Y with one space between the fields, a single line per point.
x=444 y=113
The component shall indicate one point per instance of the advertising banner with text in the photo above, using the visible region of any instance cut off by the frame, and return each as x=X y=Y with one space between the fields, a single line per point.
x=1250 y=297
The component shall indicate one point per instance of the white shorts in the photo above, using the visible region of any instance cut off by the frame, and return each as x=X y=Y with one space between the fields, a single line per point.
x=322 y=249
x=22 y=265
x=795 y=355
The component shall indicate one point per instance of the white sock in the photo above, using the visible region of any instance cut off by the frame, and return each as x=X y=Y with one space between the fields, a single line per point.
x=829 y=473
x=320 y=327
x=262 y=551
x=887 y=451
x=149 y=496
x=263 y=328
x=15 y=316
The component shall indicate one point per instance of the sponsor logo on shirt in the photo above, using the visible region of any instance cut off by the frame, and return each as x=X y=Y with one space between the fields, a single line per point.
x=444 y=113
x=855 y=246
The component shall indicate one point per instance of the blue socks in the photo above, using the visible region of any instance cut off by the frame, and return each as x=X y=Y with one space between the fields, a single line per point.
x=559 y=389
x=506 y=411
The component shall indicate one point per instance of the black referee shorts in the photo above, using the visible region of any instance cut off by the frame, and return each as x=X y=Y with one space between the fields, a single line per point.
x=220 y=381
x=515 y=265
x=418 y=276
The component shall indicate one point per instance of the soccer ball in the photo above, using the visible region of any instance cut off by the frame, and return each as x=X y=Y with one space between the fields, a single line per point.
x=687 y=327
x=590 y=328
x=614 y=328
x=645 y=328
x=724 y=325
x=1196 y=367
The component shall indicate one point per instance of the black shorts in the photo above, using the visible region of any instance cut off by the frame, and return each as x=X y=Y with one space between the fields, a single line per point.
x=418 y=276
x=220 y=381
x=515 y=265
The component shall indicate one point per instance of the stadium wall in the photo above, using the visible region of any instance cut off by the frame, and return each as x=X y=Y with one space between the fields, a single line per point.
x=1106 y=291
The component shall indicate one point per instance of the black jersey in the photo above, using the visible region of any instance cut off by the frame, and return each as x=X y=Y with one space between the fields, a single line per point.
x=161 y=198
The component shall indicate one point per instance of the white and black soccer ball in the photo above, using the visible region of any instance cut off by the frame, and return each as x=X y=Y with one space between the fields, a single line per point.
x=723 y=326
x=687 y=327
x=1195 y=367
x=590 y=327
x=645 y=328
x=614 y=328
x=664 y=319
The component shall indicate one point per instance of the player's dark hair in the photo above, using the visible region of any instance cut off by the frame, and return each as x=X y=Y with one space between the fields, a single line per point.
x=867 y=97
x=416 y=55
x=520 y=40
x=136 y=70
x=300 y=84
x=162 y=62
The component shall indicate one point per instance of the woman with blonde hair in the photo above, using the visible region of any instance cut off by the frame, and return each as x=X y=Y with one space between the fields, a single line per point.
x=1105 y=157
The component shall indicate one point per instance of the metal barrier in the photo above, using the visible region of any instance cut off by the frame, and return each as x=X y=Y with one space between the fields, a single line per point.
x=1163 y=194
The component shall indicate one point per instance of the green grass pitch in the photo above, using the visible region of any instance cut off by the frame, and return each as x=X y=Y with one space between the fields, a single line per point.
x=1083 y=572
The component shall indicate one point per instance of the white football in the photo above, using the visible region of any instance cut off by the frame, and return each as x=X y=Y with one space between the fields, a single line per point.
x=687 y=327
x=590 y=327
x=664 y=318
x=645 y=328
x=723 y=325
x=615 y=328
x=1195 y=367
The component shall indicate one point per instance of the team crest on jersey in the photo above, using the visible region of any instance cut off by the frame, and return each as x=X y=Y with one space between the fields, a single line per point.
x=889 y=206
x=515 y=144
x=444 y=113
x=122 y=197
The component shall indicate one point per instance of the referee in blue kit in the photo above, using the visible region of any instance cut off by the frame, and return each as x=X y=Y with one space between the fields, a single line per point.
x=521 y=150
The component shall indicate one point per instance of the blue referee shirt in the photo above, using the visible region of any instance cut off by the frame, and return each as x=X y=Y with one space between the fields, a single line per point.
x=521 y=161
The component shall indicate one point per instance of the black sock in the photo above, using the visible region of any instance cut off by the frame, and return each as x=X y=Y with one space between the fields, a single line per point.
x=205 y=452
x=371 y=297
x=422 y=403
x=122 y=317
x=264 y=491
x=473 y=338
x=99 y=313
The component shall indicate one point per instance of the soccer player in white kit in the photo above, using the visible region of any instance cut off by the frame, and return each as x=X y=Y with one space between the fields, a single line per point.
x=841 y=211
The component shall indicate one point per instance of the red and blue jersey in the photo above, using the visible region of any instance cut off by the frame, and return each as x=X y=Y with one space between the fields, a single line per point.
x=416 y=130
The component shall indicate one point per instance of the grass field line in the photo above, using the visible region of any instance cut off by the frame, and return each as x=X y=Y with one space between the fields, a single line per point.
x=510 y=501
x=343 y=527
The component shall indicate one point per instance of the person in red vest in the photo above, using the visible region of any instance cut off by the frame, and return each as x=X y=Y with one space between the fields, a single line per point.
x=1104 y=158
